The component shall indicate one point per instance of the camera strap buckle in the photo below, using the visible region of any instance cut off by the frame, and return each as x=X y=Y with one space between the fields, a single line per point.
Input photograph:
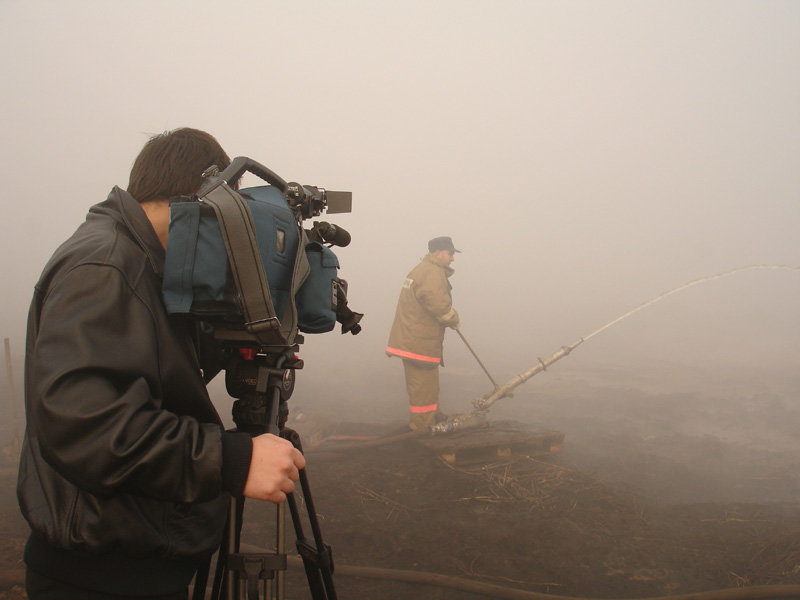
x=267 y=331
x=270 y=323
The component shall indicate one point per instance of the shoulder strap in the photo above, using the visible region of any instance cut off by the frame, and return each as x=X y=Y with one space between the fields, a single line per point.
x=238 y=233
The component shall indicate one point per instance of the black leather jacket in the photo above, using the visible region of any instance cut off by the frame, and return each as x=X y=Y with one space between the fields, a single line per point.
x=123 y=450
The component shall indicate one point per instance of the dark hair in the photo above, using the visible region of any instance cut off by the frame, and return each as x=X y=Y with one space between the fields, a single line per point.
x=172 y=163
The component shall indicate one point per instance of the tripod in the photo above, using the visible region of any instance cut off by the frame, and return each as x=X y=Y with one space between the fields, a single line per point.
x=262 y=384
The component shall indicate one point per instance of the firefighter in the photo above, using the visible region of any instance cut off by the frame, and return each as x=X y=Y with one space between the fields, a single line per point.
x=424 y=310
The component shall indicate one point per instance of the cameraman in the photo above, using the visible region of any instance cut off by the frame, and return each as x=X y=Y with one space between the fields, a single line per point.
x=126 y=472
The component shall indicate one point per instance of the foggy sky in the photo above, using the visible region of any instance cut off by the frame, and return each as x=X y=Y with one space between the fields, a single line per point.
x=584 y=156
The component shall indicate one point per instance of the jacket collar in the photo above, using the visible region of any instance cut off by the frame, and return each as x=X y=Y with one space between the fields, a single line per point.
x=448 y=270
x=130 y=213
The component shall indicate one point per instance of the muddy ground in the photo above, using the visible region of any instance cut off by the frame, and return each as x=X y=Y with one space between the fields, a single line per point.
x=657 y=490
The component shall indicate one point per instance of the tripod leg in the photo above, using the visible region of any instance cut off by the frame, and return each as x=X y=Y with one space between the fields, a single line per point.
x=280 y=527
x=316 y=555
x=201 y=581
x=230 y=544
x=307 y=552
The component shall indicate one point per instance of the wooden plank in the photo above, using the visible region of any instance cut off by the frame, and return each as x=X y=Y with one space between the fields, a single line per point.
x=498 y=440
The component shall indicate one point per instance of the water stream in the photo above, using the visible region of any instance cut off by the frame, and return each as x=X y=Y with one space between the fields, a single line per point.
x=484 y=402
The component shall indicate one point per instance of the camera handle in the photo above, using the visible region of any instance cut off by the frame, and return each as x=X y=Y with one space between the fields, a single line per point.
x=241 y=574
x=240 y=164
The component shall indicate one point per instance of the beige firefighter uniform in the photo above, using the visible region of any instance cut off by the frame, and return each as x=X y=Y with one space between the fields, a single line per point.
x=424 y=310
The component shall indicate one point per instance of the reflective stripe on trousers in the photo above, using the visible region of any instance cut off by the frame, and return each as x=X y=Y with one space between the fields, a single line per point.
x=412 y=356
x=422 y=385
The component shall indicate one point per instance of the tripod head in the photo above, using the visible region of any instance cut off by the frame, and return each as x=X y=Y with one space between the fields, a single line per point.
x=262 y=383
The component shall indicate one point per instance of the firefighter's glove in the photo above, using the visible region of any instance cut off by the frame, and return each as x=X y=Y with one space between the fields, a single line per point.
x=450 y=319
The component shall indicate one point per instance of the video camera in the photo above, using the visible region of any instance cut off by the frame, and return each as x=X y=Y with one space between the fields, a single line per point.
x=241 y=261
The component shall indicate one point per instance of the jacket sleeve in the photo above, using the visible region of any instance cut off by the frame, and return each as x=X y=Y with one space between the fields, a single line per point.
x=93 y=368
x=433 y=293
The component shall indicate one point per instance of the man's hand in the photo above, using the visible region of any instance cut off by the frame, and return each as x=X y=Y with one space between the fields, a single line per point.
x=455 y=321
x=450 y=319
x=274 y=467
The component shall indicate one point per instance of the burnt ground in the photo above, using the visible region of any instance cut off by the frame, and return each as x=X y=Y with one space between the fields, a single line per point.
x=541 y=524
x=653 y=493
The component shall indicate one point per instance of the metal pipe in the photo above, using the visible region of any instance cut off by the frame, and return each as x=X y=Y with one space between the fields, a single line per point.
x=487 y=400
